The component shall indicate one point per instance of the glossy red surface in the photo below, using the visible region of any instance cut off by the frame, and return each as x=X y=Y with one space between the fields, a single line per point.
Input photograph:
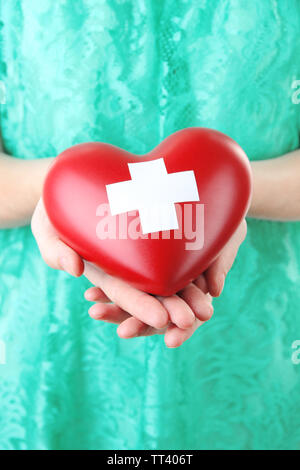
x=76 y=186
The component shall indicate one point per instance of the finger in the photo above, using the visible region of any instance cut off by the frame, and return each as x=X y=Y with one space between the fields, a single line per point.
x=199 y=302
x=108 y=312
x=175 y=336
x=201 y=283
x=94 y=294
x=132 y=328
x=216 y=277
x=217 y=272
x=142 y=306
x=55 y=253
x=179 y=311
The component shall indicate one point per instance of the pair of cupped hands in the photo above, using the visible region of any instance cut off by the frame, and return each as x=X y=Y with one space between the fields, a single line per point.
x=138 y=313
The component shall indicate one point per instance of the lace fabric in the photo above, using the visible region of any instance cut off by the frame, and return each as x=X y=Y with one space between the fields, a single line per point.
x=131 y=73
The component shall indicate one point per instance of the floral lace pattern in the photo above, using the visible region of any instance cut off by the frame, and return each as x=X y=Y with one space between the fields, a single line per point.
x=130 y=73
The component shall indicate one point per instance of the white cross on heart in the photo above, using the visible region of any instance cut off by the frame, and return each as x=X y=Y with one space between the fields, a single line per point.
x=153 y=192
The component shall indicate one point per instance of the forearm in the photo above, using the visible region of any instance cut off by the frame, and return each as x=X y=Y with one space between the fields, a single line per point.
x=21 y=183
x=276 y=188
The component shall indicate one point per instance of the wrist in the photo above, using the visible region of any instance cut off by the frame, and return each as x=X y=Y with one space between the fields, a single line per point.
x=40 y=169
x=21 y=183
x=255 y=208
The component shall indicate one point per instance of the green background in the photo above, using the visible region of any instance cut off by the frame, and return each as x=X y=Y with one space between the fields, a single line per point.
x=130 y=73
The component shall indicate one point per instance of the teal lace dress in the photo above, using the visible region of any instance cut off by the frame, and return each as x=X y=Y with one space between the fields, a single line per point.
x=130 y=73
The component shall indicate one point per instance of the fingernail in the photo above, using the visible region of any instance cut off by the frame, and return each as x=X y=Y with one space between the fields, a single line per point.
x=210 y=310
x=65 y=265
x=124 y=335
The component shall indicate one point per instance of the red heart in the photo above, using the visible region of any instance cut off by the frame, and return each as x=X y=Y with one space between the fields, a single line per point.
x=75 y=198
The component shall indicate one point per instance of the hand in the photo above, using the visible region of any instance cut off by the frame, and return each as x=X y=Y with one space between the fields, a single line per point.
x=137 y=312
x=178 y=316
x=141 y=314
x=195 y=295
x=216 y=274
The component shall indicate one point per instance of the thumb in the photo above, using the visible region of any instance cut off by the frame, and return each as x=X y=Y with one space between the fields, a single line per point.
x=218 y=270
x=55 y=253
